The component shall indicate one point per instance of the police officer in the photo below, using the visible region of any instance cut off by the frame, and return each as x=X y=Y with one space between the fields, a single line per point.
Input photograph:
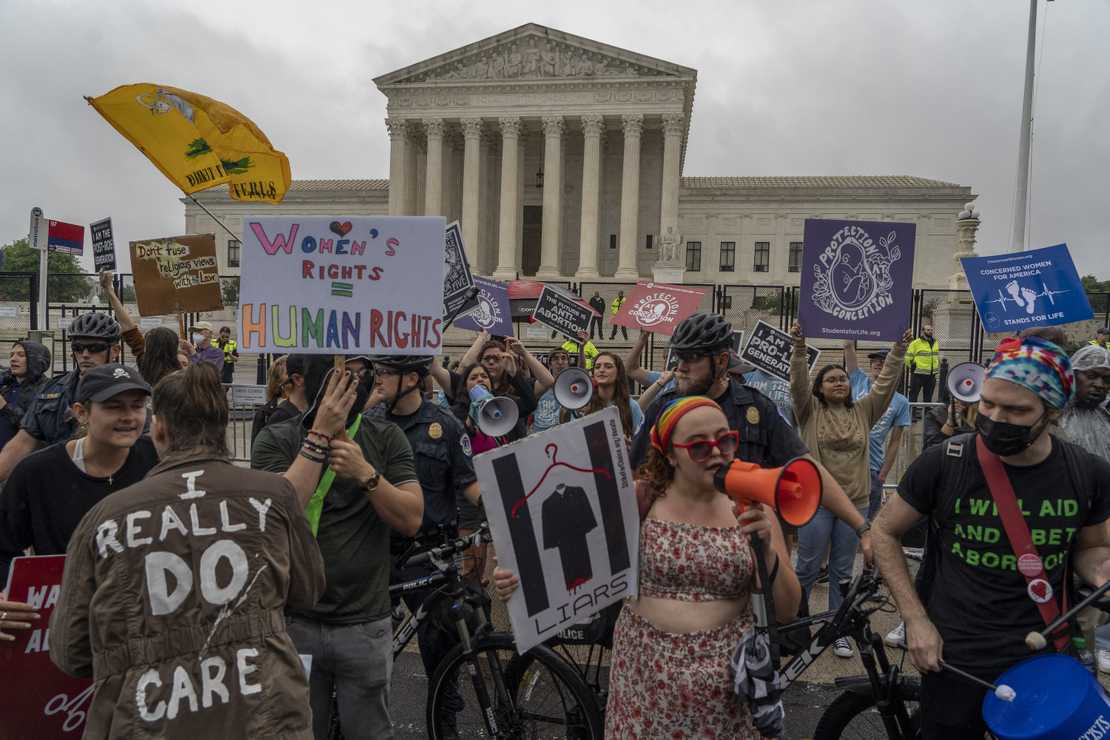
x=441 y=450
x=94 y=341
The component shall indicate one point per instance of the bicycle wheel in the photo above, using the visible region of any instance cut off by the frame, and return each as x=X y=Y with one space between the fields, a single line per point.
x=854 y=716
x=478 y=696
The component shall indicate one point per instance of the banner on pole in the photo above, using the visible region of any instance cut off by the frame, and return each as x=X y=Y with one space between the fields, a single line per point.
x=857 y=279
x=1022 y=290
x=562 y=511
x=493 y=312
x=563 y=312
x=103 y=245
x=770 y=349
x=457 y=280
x=37 y=700
x=657 y=307
x=176 y=274
x=341 y=285
x=63 y=237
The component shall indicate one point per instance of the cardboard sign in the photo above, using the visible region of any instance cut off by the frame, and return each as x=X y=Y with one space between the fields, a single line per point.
x=247 y=395
x=346 y=285
x=63 y=237
x=857 y=279
x=457 y=280
x=657 y=307
x=562 y=511
x=103 y=245
x=176 y=274
x=37 y=700
x=493 y=312
x=769 y=350
x=562 y=312
x=1027 y=289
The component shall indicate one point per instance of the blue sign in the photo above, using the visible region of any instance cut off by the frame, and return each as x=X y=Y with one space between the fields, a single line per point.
x=493 y=312
x=1022 y=290
x=857 y=279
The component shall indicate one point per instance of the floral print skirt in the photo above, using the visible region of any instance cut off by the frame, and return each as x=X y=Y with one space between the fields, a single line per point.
x=670 y=685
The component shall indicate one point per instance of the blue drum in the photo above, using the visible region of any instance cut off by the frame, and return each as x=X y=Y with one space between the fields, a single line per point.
x=1057 y=699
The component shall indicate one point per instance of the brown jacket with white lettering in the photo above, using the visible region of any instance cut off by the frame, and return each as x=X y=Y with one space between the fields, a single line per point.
x=173 y=600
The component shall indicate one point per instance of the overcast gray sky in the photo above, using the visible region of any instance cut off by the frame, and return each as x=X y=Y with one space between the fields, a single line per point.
x=784 y=88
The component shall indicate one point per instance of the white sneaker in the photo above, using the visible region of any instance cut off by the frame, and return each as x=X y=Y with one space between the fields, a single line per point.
x=897 y=638
x=842 y=648
x=1104 y=661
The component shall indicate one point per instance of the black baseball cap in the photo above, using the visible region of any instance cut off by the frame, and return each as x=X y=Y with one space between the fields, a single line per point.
x=879 y=354
x=108 y=381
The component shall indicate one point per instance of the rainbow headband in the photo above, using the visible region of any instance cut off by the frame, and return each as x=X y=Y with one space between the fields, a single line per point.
x=1036 y=364
x=670 y=415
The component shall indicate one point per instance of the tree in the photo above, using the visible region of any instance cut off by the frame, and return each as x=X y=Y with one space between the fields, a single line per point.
x=1098 y=292
x=229 y=291
x=65 y=283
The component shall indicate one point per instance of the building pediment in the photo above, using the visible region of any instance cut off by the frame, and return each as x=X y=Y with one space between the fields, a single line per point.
x=530 y=53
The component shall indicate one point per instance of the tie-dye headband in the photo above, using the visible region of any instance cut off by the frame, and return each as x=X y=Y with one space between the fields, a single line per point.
x=1037 y=364
x=669 y=416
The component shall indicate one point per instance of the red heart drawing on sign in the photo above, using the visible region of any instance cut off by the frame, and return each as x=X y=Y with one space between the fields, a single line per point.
x=342 y=229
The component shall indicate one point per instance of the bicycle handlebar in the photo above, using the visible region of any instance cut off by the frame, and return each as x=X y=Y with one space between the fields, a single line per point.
x=449 y=549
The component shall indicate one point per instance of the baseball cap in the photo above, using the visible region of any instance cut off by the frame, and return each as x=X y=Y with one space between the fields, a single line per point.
x=108 y=381
x=879 y=354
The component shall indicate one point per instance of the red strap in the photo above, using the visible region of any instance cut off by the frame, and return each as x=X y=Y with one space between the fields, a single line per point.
x=1017 y=531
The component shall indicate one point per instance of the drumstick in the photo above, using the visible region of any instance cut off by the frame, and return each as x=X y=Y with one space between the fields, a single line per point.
x=1002 y=691
x=1039 y=640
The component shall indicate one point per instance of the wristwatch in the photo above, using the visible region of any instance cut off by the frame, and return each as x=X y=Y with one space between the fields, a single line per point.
x=863 y=529
x=371 y=483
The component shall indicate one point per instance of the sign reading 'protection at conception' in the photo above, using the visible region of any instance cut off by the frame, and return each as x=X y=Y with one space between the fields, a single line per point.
x=658 y=308
x=342 y=285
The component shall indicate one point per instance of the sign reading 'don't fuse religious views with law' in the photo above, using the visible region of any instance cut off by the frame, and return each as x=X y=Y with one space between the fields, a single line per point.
x=175 y=274
x=341 y=285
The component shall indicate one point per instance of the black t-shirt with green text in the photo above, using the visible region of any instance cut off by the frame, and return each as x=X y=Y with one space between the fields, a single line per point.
x=979 y=600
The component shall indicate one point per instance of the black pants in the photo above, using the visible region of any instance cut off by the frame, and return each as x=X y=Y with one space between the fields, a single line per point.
x=595 y=325
x=923 y=383
x=227 y=375
x=952 y=707
x=624 y=331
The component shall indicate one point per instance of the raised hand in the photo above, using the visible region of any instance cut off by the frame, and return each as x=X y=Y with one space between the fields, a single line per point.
x=106 y=281
x=336 y=403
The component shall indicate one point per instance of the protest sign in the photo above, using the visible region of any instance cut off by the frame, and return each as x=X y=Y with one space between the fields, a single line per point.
x=769 y=350
x=341 y=285
x=562 y=512
x=37 y=700
x=103 y=245
x=63 y=237
x=857 y=279
x=457 y=280
x=493 y=313
x=1026 y=289
x=247 y=395
x=658 y=308
x=562 y=312
x=176 y=274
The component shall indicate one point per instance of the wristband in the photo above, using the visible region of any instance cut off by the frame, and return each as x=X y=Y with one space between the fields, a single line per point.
x=311 y=457
x=863 y=529
x=327 y=438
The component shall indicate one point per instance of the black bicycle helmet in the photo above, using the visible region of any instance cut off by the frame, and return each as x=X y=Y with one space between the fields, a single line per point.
x=95 y=325
x=705 y=332
x=403 y=363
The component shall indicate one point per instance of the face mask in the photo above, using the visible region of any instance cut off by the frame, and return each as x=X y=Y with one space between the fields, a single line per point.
x=1005 y=439
x=198 y=338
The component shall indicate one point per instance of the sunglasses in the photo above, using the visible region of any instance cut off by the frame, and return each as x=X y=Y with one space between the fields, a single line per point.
x=701 y=450
x=92 y=348
x=691 y=356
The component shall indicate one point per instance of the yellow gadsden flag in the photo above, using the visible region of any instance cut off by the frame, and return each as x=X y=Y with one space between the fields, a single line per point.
x=196 y=141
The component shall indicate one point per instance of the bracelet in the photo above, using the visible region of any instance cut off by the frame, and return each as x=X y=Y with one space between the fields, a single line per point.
x=326 y=437
x=312 y=458
x=314 y=446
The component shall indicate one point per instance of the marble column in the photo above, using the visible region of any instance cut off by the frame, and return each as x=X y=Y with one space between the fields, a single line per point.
x=552 y=197
x=630 y=198
x=433 y=179
x=410 y=195
x=591 y=180
x=507 y=265
x=673 y=127
x=398 y=146
x=471 y=186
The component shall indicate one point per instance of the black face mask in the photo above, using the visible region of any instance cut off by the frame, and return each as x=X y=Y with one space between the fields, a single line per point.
x=1005 y=439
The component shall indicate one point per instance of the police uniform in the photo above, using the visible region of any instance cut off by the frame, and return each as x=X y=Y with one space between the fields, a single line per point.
x=49 y=418
x=765 y=437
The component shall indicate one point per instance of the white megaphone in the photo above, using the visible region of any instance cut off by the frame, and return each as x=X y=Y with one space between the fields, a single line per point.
x=965 y=381
x=494 y=415
x=574 y=388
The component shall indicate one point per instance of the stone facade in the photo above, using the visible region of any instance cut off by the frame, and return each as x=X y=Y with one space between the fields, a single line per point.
x=562 y=159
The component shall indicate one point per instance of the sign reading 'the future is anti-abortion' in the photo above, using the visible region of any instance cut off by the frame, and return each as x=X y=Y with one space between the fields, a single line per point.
x=341 y=285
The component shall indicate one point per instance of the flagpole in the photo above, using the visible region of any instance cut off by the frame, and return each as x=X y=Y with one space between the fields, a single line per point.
x=1022 y=196
x=211 y=215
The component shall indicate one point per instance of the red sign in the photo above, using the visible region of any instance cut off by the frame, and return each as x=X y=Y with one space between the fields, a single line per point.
x=65 y=237
x=658 y=308
x=36 y=699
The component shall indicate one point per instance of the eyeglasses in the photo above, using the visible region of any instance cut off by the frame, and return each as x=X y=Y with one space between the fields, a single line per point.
x=93 y=348
x=691 y=356
x=701 y=450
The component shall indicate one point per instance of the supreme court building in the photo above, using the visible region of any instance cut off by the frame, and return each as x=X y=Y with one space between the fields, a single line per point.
x=562 y=158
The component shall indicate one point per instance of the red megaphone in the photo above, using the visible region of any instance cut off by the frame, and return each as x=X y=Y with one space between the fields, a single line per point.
x=794 y=490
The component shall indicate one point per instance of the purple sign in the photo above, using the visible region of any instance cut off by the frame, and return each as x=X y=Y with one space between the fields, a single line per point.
x=492 y=313
x=857 y=279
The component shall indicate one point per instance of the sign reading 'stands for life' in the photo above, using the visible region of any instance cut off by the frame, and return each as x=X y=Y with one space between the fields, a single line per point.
x=341 y=285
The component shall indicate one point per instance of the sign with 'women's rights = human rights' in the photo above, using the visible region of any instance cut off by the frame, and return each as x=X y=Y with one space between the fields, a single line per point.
x=341 y=285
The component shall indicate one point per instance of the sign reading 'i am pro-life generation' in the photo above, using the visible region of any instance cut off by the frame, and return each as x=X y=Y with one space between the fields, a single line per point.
x=341 y=285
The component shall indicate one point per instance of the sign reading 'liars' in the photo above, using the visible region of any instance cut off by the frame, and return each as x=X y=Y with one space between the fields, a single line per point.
x=341 y=285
